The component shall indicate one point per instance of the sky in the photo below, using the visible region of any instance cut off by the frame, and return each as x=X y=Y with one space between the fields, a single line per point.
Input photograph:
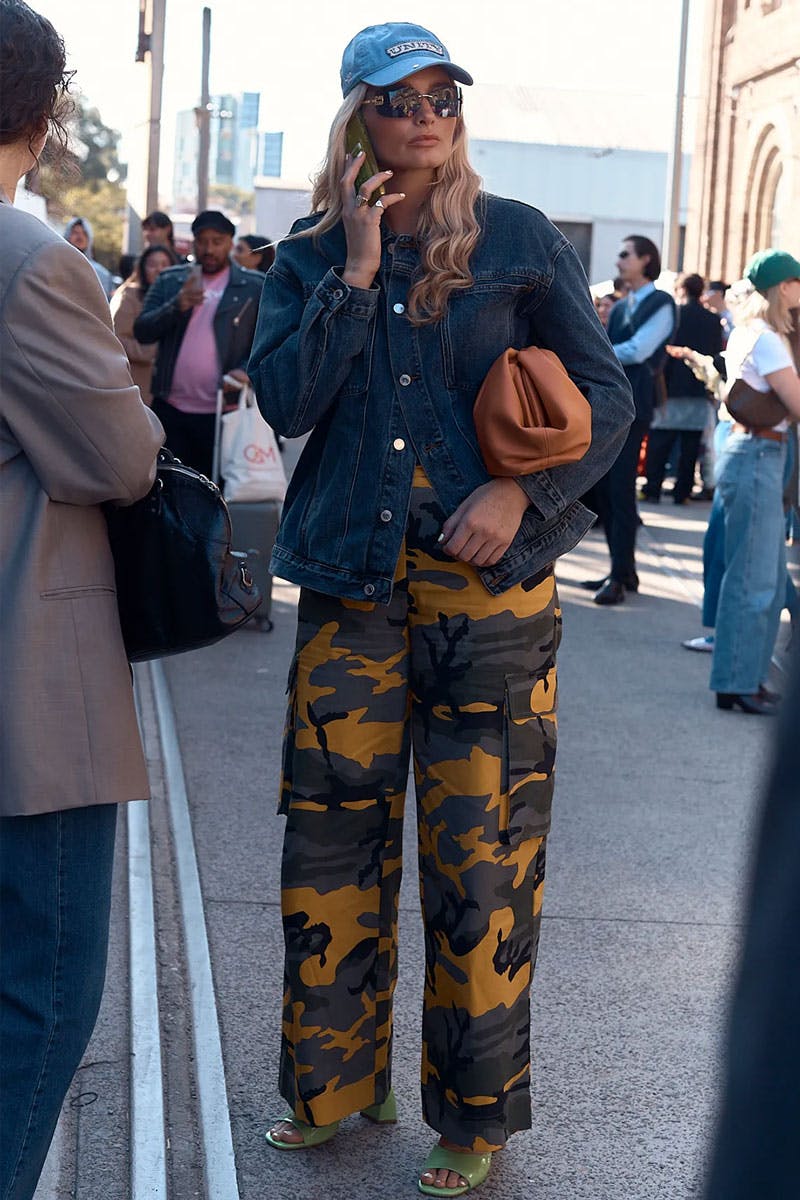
x=619 y=56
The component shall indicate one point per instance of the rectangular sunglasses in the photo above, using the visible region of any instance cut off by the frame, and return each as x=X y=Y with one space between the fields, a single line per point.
x=445 y=101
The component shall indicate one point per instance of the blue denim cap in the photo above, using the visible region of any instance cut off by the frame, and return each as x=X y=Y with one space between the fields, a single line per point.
x=384 y=54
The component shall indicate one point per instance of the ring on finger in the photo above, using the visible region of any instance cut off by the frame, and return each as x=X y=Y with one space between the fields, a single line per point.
x=378 y=204
x=361 y=200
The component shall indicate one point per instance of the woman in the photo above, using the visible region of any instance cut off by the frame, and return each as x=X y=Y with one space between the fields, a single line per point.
x=158 y=230
x=253 y=252
x=126 y=305
x=750 y=473
x=682 y=414
x=603 y=306
x=74 y=434
x=428 y=614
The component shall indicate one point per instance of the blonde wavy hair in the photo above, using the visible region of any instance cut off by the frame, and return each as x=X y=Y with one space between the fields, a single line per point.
x=448 y=229
x=769 y=307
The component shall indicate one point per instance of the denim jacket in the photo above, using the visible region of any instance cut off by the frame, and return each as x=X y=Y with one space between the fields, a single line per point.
x=379 y=394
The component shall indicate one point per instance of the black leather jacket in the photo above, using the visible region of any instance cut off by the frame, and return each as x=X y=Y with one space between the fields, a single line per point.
x=234 y=322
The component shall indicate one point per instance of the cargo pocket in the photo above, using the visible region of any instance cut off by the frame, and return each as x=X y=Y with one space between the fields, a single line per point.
x=529 y=752
x=289 y=732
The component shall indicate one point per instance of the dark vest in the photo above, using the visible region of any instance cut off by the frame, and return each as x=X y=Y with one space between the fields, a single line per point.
x=700 y=330
x=622 y=324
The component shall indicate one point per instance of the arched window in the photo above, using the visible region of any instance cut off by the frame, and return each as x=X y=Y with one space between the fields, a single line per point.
x=765 y=199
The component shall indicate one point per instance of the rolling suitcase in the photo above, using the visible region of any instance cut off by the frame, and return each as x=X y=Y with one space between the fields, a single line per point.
x=255 y=524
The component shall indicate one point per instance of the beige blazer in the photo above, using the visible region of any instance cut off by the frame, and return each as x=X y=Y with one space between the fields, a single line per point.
x=73 y=434
x=126 y=304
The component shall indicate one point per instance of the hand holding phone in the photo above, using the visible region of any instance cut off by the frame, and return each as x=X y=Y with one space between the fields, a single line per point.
x=357 y=140
x=191 y=294
x=364 y=183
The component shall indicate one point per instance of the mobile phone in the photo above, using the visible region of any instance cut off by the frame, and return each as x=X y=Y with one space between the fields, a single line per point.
x=357 y=139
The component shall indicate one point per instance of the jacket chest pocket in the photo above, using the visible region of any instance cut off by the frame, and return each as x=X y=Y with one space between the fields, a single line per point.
x=529 y=753
x=478 y=326
x=358 y=377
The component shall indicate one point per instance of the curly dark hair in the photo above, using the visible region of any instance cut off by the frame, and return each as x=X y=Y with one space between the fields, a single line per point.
x=33 y=66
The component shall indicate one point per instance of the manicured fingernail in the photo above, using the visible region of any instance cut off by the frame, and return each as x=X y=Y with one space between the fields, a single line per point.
x=388 y=172
x=440 y=538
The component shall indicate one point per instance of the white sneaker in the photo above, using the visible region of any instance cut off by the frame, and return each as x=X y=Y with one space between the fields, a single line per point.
x=700 y=643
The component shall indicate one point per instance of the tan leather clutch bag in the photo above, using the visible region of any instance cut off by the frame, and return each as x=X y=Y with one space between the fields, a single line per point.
x=529 y=415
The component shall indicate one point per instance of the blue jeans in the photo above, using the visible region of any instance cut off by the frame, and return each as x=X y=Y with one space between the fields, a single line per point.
x=55 y=894
x=714 y=542
x=753 y=587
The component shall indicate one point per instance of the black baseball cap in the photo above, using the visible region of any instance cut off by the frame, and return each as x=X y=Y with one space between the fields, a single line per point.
x=212 y=219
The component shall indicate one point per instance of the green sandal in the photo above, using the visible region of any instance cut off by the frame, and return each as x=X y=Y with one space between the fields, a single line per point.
x=472 y=1167
x=382 y=1114
x=313 y=1135
x=318 y=1135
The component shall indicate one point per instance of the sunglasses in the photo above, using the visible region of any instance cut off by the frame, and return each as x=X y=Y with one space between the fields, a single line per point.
x=445 y=101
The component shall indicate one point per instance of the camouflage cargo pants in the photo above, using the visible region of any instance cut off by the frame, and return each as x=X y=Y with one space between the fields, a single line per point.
x=467 y=680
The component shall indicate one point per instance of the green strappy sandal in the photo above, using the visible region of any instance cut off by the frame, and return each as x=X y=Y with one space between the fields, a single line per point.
x=318 y=1135
x=472 y=1167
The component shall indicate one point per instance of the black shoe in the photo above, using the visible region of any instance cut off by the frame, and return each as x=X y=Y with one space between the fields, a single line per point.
x=612 y=592
x=754 y=705
x=631 y=583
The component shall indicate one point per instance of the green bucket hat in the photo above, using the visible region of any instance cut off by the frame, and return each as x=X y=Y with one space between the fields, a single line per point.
x=771 y=267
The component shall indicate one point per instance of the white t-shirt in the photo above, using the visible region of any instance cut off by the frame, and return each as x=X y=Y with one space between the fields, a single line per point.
x=753 y=351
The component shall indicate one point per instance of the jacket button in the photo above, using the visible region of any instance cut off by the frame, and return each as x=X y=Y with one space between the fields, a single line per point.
x=369 y=589
x=390 y=248
x=398 y=308
x=386 y=515
x=337 y=295
x=399 y=444
x=405 y=380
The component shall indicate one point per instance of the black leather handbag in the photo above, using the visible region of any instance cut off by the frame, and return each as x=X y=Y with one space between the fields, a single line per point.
x=179 y=584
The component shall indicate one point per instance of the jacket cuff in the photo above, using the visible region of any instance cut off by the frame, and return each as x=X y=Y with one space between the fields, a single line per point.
x=542 y=493
x=336 y=295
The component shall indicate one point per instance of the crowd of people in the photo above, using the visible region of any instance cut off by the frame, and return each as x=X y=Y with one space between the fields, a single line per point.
x=427 y=591
x=682 y=363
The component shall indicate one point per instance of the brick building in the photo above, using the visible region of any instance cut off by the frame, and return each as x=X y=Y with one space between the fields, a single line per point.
x=745 y=183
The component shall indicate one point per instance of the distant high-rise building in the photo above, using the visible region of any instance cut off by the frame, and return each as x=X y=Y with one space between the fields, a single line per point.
x=270 y=153
x=233 y=147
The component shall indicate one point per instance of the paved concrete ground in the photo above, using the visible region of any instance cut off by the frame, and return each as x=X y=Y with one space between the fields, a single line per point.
x=653 y=816
x=654 y=804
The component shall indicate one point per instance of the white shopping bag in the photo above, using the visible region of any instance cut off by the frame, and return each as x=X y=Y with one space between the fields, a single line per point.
x=249 y=461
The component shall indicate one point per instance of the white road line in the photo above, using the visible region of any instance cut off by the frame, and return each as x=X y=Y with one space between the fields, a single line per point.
x=148 y=1135
x=215 y=1124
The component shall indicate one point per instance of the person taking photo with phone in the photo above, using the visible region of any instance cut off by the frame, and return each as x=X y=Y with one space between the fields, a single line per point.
x=428 y=616
x=202 y=316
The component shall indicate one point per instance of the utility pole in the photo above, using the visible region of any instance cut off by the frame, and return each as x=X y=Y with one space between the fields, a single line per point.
x=152 y=23
x=671 y=238
x=203 y=114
